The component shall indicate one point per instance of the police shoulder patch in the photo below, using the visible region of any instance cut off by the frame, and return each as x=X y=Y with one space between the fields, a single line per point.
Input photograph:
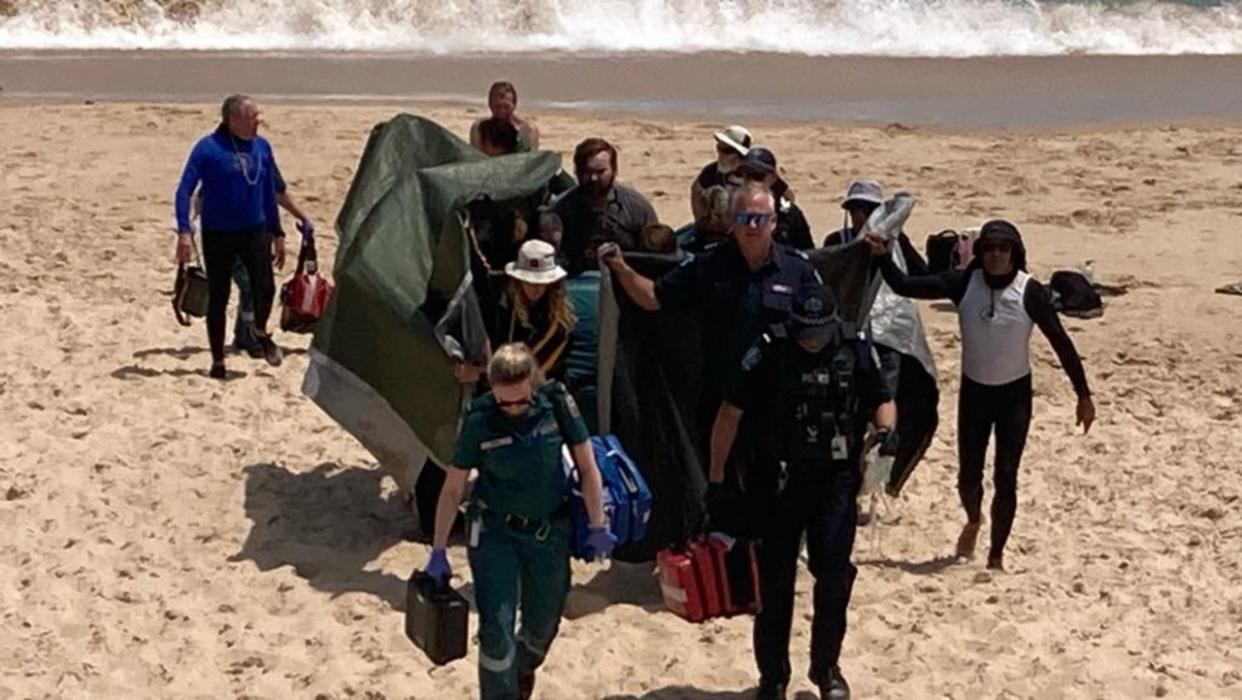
x=755 y=354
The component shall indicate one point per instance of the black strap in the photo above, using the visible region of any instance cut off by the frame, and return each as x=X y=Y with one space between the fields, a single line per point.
x=179 y=290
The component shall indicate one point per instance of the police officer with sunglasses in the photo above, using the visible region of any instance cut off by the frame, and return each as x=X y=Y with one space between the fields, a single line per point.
x=742 y=286
x=519 y=524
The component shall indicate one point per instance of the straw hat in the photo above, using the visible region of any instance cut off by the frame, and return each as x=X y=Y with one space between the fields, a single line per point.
x=536 y=263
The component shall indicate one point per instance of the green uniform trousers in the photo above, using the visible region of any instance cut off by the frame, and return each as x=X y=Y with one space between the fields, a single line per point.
x=517 y=569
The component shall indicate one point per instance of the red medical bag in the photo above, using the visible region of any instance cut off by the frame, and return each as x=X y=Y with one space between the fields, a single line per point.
x=712 y=577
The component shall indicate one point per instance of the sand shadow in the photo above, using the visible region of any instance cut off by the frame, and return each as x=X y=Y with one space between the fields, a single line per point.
x=943 y=307
x=921 y=568
x=329 y=524
x=131 y=371
x=620 y=584
x=685 y=692
x=186 y=352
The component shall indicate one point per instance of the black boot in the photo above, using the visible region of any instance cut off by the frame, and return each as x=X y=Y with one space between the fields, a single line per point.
x=834 y=686
x=770 y=691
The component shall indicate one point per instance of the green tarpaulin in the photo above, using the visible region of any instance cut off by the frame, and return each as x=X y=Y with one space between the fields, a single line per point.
x=376 y=366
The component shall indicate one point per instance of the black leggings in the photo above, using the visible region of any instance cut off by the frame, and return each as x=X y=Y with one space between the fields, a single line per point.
x=220 y=249
x=1006 y=407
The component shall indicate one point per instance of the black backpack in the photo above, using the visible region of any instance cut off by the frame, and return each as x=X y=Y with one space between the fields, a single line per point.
x=1074 y=295
x=942 y=251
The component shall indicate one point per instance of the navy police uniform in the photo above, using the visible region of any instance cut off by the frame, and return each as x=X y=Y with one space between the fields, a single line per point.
x=519 y=530
x=737 y=303
x=814 y=410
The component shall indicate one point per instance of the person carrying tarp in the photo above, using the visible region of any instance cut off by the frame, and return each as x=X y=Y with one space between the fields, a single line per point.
x=896 y=330
x=535 y=308
x=599 y=209
x=741 y=286
x=519 y=516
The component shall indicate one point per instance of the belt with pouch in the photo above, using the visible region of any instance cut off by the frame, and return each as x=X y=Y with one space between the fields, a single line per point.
x=539 y=527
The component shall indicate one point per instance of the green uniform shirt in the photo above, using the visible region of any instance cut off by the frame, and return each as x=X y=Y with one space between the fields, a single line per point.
x=519 y=459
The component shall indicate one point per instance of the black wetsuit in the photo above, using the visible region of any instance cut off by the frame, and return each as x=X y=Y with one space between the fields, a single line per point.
x=984 y=405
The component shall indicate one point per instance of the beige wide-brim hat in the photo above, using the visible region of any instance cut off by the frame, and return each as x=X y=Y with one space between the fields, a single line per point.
x=736 y=137
x=536 y=264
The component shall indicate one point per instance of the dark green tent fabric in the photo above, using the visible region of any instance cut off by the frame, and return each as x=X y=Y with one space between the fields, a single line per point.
x=376 y=366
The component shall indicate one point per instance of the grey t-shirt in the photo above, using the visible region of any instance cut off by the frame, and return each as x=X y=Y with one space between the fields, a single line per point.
x=622 y=220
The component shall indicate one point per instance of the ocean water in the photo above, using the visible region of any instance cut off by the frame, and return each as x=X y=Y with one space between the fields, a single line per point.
x=927 y=28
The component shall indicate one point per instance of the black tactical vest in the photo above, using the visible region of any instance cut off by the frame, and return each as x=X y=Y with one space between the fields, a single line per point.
x=821 y=404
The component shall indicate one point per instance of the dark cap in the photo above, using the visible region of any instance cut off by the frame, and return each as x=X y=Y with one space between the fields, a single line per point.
x=815 y=314
x=1000 y=230
x=759 y=160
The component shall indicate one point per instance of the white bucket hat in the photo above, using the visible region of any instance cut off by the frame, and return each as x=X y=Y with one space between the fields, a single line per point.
x=536 y=263
x=864 y=192
x=735 y=137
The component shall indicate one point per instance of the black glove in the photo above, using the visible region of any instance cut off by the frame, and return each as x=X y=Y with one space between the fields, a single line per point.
x=888 y=441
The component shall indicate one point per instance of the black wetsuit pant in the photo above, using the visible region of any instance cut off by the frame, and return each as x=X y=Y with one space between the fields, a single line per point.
x=220 y=249
x=822 y=501
x=1005 y=408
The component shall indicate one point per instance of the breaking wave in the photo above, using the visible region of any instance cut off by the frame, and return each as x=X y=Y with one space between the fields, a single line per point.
x=953 y=28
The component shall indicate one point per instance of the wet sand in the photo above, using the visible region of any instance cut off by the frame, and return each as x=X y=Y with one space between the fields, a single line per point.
x=957 y=93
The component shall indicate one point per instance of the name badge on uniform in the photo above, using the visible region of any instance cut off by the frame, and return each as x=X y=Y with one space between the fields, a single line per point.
x=840 y=448
x=498 y=442
x=782 y=289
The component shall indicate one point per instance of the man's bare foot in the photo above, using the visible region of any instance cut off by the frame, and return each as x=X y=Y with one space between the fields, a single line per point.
x=996 y=562
x=966 y=541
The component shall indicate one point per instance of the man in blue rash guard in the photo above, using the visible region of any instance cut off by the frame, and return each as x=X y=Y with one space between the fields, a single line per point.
x=235 y=169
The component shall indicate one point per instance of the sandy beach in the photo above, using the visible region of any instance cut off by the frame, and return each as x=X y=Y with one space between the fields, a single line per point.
x=169 y=536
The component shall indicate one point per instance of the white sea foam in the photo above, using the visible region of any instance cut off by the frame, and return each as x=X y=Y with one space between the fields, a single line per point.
x=815 y=27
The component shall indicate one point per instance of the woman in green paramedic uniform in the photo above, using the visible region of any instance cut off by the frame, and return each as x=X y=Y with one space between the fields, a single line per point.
x=519 y=526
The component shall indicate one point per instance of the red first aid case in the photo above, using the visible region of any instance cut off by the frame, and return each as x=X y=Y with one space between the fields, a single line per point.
x=712 y=577
x=681 y=582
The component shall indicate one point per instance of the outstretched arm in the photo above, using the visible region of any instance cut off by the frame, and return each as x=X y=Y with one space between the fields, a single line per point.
x=945 y=285
x=639 y=289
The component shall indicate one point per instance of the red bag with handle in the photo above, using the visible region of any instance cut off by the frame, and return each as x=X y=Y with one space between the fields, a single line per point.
x=688 y=581
x=304 y=298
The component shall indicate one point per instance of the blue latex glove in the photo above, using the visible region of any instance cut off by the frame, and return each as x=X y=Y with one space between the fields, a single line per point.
x=601 y=542
x=306 y=228
x=438 y=566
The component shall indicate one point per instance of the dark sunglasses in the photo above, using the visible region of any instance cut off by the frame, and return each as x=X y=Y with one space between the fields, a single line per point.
x=749 y=219
x=995 y=247
x=519 y=403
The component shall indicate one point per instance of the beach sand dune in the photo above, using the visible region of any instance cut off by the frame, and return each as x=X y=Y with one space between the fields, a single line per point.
x=170 y=536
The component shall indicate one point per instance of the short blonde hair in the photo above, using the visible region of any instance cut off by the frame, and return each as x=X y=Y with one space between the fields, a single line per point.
x=514 y=363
